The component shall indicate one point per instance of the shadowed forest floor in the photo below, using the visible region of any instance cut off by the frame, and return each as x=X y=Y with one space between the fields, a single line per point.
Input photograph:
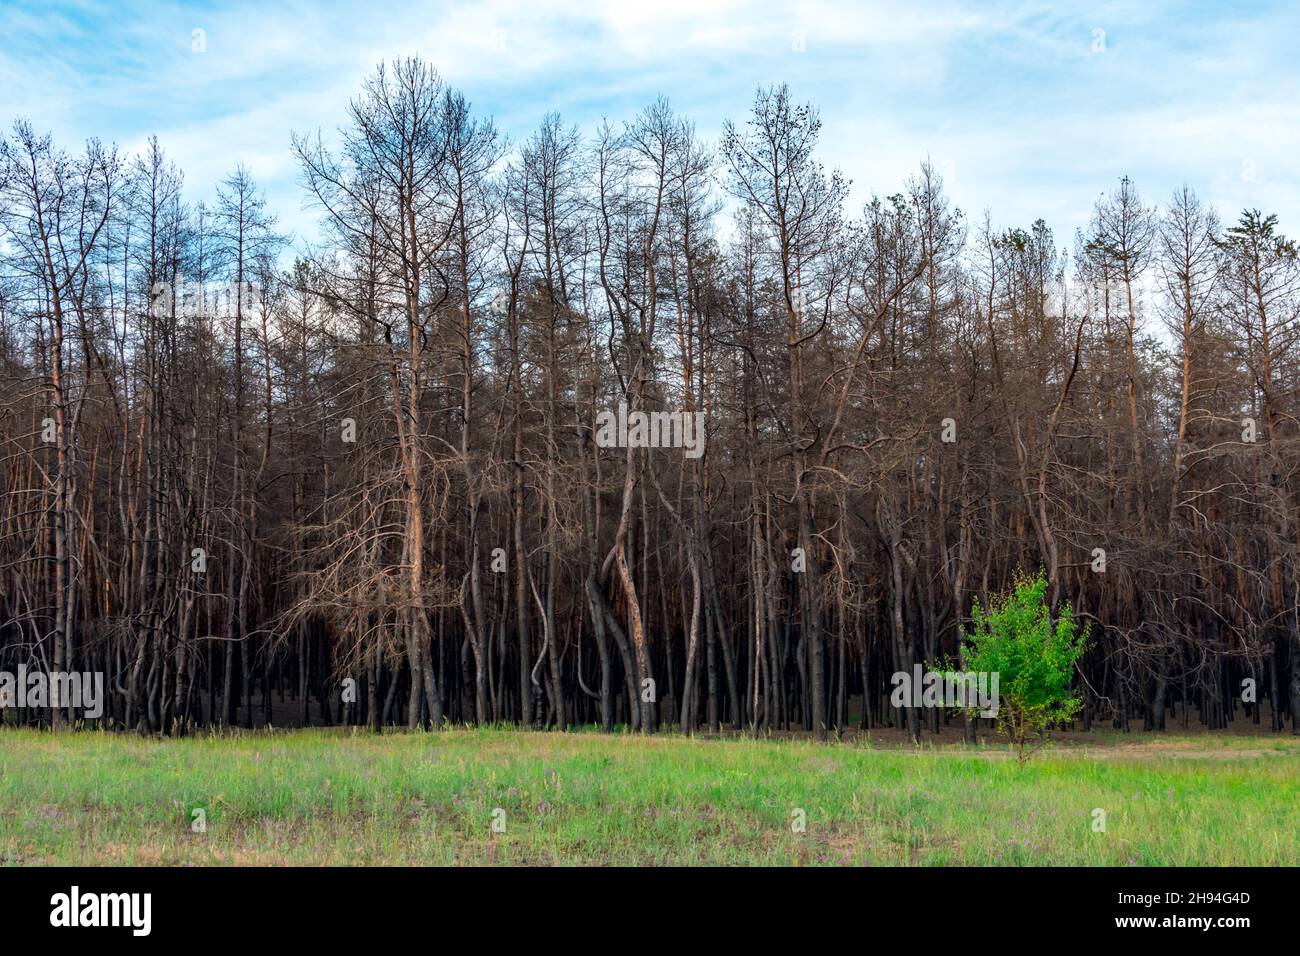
x=512 y=797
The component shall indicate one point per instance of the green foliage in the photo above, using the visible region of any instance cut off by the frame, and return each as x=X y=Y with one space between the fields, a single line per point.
x=1034 y=658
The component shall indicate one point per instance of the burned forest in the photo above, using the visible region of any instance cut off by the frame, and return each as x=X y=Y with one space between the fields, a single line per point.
x=622 y=426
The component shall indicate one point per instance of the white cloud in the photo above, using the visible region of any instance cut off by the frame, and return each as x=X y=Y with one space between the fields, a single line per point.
x=1009 y=97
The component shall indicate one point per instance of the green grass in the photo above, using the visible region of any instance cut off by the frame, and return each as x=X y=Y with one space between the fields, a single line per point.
x=334 y=797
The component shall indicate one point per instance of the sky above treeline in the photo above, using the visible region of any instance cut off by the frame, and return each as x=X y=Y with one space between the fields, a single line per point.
x=1028 y=109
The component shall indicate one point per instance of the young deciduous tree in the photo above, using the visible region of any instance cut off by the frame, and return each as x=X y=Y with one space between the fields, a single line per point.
x=1034 y=653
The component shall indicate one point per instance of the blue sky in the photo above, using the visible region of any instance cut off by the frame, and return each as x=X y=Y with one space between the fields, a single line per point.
x=1029 y=109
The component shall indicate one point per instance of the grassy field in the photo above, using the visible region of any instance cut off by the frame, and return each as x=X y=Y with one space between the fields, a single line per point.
x=334 y=797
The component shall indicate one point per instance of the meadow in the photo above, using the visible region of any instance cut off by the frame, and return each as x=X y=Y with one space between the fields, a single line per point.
x=504 y=796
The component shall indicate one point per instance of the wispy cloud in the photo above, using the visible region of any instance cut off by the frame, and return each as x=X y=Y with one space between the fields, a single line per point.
x=1032 y=108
